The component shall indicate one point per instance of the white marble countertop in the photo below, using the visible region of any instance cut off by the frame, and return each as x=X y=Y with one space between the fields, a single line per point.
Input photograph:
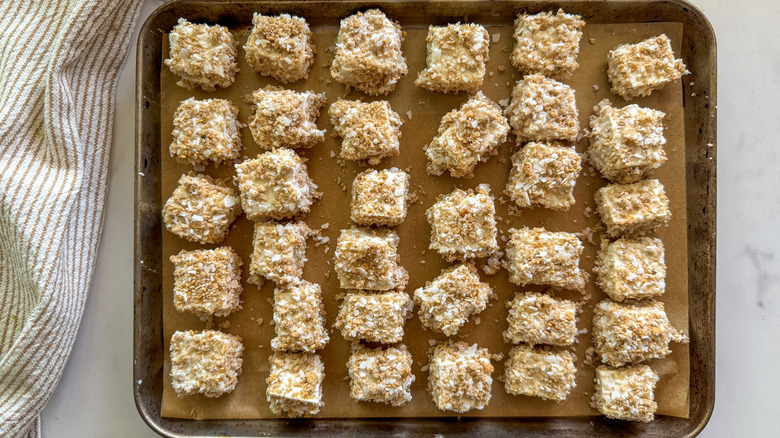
x=94 y=398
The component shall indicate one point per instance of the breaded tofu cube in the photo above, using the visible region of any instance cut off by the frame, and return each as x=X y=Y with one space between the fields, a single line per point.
x=299 y=318
x=205 y=132
x=626 y=393
x=539 y=372
x=370 y=131
x=626 y=143
x=456 y=58
x=632 y=332
x=547 y=43
x=279 y=252
x=467 y=135
x=542 y=109
x=207 y=362
x=631 y=268
x=538 y=256
x=285 y=118
x=368 y=54
x=368 y=259
x=382 y=375
x=201 y=209
x=639 y=69
x=203 y=56
x=275 y=185
x=459 y=376
x=374 y=316
x=379 y=197
x=295 y=384
x=463 y=224
x=280 y=47
x=536 y=318
x=447 y=302
x=633 y=209
x=544 y=175
x=207 y=281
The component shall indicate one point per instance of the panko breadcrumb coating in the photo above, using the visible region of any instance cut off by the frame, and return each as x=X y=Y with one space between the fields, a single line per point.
x=205 y=132
x=626 y=143
x=299 y=318
x=542 y=109
x=207 y=281
x=285 y=118
x=463 y=224
x=280 y=47
x=379 y=197
x=279 y=252
x=275 y=185
x=631 y=268
x=459 y=376
x=382 y=375
x=456 y=57
x=201 y=209
x=538 y=256
x=368 y=54
x=633 y=209
x=626 y=393
x=370 y=131
x=539 y=372
x=207 y=362
x=202 y=55
x=544 y=175
x=639 y=69
x=536 y=318
x=368 y=259
x=295 y=384
x=467 y=135
x=374 y=316
x=547 y=43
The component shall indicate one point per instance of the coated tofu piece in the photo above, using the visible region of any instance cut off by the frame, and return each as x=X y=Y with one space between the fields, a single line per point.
x=631 y=268
x=459 y=376
x=207 y=282
x=639 y=69
x=280 y=47
x=535 y=318
x=542 y=109
x=538 y=256
x=279 y=252
x=368 y=54
x=547 y=43
x=456 y=57
x=368 y=259
x=295 y=384
x=201 y=209
x=629 y=333
x=380 y=197
x=626 y=143
x=205 y=132
x=202 y=56
x=370 y=131
x=626 y=393
x=539 y=372
x=275 y=185
x=544 y=175
x=374 y=316
x=299 y=318
x=463 y=224
x=466 y=136
x=382 y=375
x=447 y=302
x=633 y=209
x=207 y=362
x=285 y=118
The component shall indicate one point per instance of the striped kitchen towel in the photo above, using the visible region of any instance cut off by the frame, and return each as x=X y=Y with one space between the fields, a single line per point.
x=59 y=65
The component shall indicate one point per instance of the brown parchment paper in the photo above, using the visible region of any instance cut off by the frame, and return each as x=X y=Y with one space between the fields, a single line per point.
x=252 y=323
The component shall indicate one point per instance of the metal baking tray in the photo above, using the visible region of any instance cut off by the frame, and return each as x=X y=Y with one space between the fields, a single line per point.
x=699 y=52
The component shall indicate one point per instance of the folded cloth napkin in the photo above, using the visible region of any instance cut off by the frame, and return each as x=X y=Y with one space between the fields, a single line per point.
x=59 y=65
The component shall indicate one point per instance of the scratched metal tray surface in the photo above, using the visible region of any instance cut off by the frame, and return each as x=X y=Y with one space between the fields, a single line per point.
x=699 y=52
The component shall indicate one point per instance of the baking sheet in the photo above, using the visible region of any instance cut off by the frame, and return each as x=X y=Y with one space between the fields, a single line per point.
x=252 y=322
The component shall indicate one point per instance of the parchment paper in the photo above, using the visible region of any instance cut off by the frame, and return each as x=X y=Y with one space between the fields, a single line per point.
x=252 y=323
